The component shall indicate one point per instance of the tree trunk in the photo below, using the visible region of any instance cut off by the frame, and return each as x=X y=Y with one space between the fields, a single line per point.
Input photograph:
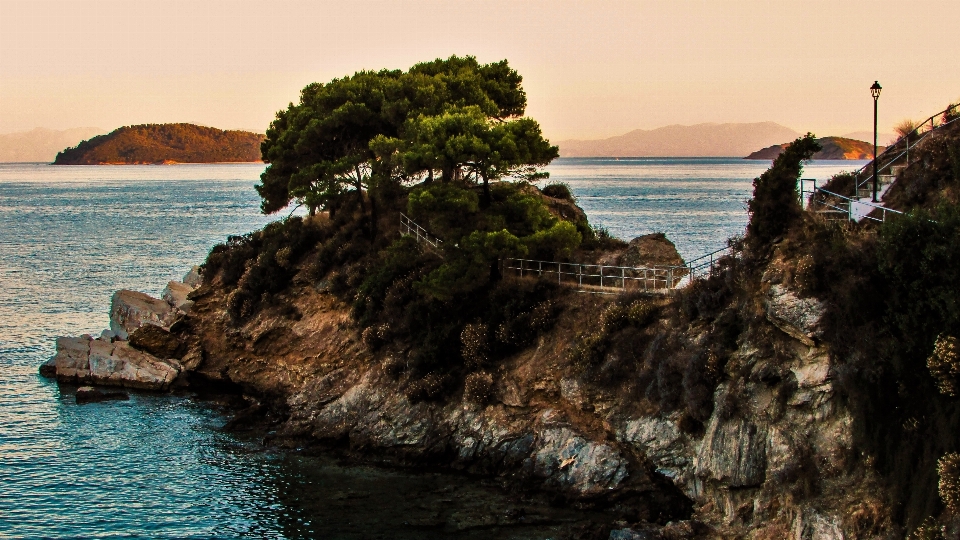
x=359 y=186
x=486 y=191
x=430 y=177
x=373 y=217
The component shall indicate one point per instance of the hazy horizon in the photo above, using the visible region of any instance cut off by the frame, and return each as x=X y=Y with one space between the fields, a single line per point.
x=591 y=69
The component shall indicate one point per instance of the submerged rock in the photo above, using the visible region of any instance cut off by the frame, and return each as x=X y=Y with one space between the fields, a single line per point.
x=49 y=368
x=89 y=394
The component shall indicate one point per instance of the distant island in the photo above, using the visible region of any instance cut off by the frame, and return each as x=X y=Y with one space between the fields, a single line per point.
x=40 y=145
x=833 y=148
x=700 y=140
x=163 y=144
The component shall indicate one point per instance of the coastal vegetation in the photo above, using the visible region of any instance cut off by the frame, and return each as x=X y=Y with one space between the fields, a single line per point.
x=164 y=143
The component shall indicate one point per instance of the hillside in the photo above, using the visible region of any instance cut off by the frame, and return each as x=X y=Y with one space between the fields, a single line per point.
x=700 y=140
x=833 y=148
x=164 y=143
x=41 y=145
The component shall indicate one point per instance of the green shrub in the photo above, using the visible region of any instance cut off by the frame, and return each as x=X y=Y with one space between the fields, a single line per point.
x=775 y=205
x=558 y=190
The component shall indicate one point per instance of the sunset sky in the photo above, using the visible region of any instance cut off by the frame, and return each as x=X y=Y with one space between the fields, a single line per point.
x=591 y=68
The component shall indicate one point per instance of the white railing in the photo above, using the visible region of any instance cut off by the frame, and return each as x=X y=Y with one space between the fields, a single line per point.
x=601 y=277
x=852 y=209
x=408 y=227
x=598 y=276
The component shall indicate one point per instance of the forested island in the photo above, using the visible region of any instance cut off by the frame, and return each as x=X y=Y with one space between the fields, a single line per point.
x=805 y=387
x=831 y=148
x=148 y=144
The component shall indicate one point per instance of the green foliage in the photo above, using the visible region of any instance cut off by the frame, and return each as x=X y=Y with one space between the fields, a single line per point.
x=377 y=130
x=156 y=143
x=558 y=190
x=775 y=205
x=260 y=263
x=918 y=256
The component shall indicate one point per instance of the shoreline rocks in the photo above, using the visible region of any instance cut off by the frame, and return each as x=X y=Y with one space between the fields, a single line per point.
x=138 y=351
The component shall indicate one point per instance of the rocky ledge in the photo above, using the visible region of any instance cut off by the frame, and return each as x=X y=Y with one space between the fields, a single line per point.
x=138 y=351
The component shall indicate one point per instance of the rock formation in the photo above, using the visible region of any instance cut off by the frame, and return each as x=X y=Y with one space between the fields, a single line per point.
x=150 y=360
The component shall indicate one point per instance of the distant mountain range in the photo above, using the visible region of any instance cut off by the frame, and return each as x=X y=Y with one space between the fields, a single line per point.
x=164 y=143
x=833 y=148
x=700 y=140
x=40 y=144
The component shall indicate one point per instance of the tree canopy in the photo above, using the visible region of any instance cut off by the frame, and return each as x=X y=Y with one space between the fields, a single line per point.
x=450 y=118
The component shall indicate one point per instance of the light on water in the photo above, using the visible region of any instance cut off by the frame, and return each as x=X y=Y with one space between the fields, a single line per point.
x=158 y=465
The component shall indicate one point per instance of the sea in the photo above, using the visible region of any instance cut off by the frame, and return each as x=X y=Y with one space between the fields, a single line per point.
x=161 y=465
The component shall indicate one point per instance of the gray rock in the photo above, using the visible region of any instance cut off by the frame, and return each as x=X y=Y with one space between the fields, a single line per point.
x=193 y=278
x=85 y=361
x=175 y=294
x=733 y=452
x=634 y=534
x=108 y=335
x=577 y=464
x=811 y=525
x=661 y=441
x=130 y=310
x=798 y=317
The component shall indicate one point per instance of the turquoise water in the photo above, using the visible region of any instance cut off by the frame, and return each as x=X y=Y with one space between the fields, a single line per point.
x=159 y=465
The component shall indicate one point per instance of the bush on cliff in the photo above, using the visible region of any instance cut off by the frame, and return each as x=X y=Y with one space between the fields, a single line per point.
x=775 y=205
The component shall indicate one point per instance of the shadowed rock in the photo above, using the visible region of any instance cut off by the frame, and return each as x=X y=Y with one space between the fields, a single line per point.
x=155 y=340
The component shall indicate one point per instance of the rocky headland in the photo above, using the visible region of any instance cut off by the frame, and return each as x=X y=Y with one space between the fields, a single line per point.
x=804 y=388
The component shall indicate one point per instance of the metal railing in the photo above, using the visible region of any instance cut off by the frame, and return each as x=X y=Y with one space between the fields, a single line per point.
x=601 y=277
x=901 y=148
x=852 y=209
x=409 y=227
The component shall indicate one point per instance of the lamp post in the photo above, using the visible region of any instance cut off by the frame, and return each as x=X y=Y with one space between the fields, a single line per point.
x=875 y=92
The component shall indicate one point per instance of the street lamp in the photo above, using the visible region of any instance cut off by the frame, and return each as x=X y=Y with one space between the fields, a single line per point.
x=875 y=92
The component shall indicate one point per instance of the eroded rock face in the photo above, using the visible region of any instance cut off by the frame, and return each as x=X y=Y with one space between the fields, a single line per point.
x=572 y=462
x=733 y=452
x=130 y=310
x=798 y=317
x=92 y=361
x=662 y=441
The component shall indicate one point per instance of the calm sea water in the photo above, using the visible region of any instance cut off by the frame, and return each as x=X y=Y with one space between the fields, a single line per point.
x=159 y=465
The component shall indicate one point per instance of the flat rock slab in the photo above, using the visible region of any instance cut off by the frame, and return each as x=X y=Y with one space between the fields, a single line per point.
x=92 y=361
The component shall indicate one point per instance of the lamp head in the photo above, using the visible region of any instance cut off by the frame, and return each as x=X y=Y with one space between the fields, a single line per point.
x=875 y=90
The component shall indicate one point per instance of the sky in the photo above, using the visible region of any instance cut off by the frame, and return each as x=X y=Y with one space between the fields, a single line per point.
x=591 y=68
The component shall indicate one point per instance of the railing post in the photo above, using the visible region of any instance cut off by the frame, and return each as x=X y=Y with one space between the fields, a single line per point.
x=601 y=276
x=623 y=278
x=670 y=277
x=539 y=269
x=558 y=273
